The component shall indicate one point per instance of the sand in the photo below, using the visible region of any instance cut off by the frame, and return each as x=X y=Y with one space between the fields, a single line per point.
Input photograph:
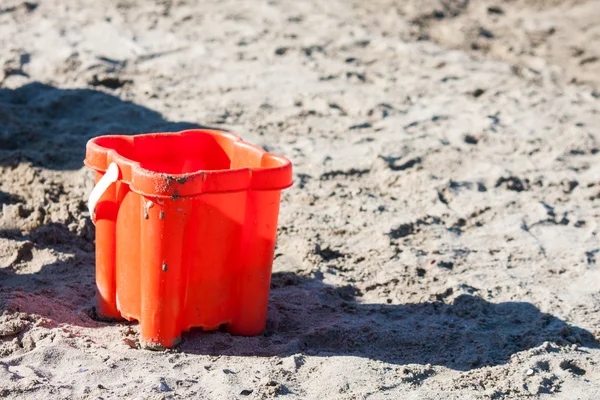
x=441 y=240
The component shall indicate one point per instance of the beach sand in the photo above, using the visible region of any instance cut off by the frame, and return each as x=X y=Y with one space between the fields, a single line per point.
x=441 y=240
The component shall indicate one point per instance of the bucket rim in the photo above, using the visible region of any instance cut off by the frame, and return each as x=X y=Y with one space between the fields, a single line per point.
x=274 y=172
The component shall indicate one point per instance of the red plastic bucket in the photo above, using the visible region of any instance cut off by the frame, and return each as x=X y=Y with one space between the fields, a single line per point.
x=185 y=231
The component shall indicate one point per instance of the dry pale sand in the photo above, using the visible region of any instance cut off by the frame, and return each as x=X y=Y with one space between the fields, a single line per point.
x=441 y=240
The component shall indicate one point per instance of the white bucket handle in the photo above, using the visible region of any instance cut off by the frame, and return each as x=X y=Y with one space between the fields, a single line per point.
x=110 y=177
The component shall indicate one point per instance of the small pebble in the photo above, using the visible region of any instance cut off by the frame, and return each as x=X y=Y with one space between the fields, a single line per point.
x=546 y=346
x=564 y=331
x=529 y=372
x=132 y=343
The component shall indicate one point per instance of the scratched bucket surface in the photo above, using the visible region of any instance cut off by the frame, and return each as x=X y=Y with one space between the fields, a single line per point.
x=185 y=236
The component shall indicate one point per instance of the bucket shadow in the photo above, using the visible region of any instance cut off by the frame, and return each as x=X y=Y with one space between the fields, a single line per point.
x=47 y=269
x=309 y=317
x=49 y=127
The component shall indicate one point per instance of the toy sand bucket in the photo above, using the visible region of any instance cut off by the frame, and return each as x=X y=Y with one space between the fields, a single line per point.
x=185 y=231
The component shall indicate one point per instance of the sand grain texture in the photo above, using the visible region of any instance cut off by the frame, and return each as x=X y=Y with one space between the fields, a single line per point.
x=441 y=238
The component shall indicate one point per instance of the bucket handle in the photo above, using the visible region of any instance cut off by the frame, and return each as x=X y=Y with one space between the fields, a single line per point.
x=110 y=177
